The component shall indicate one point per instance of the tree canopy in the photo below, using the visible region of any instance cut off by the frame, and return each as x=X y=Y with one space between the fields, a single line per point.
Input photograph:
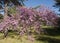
x=9 y=2
x=57 y=4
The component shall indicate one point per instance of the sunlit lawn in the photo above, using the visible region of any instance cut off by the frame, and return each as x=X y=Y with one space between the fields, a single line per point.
x=12 y=40
x=15 y=39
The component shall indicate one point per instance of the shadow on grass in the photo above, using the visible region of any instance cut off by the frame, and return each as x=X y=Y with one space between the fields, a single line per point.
x=52 y=32
x=48 y=39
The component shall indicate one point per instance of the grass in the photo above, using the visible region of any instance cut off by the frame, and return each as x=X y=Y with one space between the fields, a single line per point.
x=13 y=38
x=53 y=36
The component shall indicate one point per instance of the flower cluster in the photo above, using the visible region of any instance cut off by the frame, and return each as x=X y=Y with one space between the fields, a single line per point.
x=29 y=20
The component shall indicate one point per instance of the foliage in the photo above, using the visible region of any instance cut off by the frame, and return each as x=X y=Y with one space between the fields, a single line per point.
x=57 y=4
x=11 y=10
x=5 y=4
x=14 y=2
x=1 y=16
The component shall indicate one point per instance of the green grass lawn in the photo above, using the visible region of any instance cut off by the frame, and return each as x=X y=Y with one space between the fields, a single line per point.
x=13 y=38
x=53 y=36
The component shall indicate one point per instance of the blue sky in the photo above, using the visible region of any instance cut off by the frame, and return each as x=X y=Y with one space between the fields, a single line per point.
x=48 y=3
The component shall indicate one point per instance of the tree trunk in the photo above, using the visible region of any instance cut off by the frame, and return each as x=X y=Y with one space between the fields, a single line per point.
x=5 y=10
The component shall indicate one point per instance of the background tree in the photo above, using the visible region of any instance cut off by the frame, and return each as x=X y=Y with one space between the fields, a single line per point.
x=57 y=4
x=5 y=3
